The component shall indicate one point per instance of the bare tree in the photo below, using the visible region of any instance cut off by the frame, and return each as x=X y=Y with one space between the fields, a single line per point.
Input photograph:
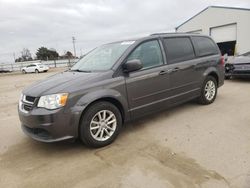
x=26 y=55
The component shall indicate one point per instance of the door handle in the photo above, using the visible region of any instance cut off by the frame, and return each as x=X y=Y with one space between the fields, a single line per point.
x=175 y=69
x=168 y=71
x=163 y=72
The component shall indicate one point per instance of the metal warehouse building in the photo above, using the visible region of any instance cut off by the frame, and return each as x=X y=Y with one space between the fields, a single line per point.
x=228 y=26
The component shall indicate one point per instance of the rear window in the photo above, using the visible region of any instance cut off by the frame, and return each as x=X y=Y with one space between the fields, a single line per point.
x=204 y=46
x=179 y=49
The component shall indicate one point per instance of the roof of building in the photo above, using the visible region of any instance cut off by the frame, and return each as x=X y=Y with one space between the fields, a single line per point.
x=235 y=8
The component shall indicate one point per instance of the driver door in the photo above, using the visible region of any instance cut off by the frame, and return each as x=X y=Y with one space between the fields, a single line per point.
x=147 y=89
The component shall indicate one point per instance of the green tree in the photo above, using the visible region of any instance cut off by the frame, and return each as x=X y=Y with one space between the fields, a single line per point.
x=69 y=54
x=53 y=55
x=44 y=53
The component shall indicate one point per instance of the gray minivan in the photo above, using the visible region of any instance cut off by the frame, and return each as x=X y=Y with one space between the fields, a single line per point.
x=119 y=82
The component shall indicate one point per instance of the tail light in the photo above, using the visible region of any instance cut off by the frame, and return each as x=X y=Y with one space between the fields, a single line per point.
x=222 y=60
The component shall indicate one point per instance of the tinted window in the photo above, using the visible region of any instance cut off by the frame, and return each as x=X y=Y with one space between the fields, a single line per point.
x=149 y=53
x=179 y=49
x=204 y=46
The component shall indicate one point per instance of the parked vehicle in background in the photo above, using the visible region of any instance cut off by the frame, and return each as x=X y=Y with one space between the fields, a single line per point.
x=119 y=82
x=35 y=67
x=238 y=66
x=2 y=70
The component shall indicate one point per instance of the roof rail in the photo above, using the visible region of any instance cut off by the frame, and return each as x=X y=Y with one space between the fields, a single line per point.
x=154 y=34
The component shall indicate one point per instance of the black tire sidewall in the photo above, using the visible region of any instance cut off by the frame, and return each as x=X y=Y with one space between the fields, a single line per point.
x=36 y=71
x=228 y=77
x=203 y=99
x=84 y=130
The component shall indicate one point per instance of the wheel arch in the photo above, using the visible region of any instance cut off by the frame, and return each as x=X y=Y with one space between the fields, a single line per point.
x=107 y=95
x=215 y=75
x=112 y=100
x=211 y=72
x=109 y=99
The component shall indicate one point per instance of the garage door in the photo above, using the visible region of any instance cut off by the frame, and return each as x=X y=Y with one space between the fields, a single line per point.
x=224 y=33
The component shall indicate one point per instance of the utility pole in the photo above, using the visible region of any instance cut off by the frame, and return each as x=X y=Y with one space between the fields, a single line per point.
x=73 y=40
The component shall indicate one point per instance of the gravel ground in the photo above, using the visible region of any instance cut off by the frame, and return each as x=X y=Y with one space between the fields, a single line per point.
x=187 y=146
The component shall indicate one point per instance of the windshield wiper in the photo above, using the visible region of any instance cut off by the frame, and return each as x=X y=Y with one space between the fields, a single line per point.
x=79 y=70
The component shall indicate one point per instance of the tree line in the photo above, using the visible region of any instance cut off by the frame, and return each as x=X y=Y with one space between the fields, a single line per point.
x=43 y=53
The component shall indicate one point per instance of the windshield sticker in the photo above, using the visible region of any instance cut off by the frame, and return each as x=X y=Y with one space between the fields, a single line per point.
x=127 y=42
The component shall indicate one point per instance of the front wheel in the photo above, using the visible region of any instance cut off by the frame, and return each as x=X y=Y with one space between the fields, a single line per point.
x=100 y=124
x=208 y=91
x=23 y=71
x=36 y=71
x=228 y=77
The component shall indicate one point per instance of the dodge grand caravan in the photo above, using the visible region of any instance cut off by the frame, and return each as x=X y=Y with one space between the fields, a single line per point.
x=119 y=82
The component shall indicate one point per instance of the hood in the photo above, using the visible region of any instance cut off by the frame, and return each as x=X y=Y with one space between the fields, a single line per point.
x=63 y=82
x=240 y=60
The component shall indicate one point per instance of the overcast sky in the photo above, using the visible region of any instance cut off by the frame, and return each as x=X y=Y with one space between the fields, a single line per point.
x=52 y=23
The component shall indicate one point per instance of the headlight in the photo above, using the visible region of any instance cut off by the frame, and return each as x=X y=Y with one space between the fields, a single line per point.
x=53 y=101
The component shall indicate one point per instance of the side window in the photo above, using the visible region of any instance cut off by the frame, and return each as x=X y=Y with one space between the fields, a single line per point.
x=149 y=53
x=179 y=49
x=205 y=46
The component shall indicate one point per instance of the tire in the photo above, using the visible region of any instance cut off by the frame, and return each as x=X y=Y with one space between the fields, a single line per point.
x=94 y=130
x=23 y=71
x=228 y=77
x=208 y=91
x=36 y=71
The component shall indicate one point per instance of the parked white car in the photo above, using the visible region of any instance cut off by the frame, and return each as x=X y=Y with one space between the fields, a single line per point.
x=35 y=67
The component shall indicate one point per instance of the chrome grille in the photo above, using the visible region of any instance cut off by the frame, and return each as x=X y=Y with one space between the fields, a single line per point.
x=26 y=103
x=29 y=99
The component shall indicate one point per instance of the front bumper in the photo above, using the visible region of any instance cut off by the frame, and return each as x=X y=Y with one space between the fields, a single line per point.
x=49 y=125
x=238 y=73
x=237 y=70
x=42 y=135
x=43 y=69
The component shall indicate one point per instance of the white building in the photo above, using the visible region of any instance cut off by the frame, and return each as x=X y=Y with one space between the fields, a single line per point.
x=228 y=26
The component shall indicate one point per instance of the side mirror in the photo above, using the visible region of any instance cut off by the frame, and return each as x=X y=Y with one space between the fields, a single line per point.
x=132 y=65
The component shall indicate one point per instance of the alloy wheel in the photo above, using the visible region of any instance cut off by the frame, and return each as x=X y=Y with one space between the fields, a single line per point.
x=210 y=90
x=103 y=125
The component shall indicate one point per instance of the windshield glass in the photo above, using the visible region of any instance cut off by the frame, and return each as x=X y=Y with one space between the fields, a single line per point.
x=102 y=58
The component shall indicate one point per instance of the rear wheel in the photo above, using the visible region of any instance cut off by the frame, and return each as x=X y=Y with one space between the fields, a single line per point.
x=23 y=71
x=208 y=91
x=36 y=71
x=100 y=124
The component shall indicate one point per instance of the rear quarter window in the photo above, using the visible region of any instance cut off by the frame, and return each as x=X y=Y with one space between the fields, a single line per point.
x=179 y=49
x=204 y=46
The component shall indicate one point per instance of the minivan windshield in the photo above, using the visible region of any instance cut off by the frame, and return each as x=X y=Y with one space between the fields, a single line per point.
x=102 y=58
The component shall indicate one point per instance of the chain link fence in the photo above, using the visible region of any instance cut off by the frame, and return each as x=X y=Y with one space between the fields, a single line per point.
x=15 y=67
